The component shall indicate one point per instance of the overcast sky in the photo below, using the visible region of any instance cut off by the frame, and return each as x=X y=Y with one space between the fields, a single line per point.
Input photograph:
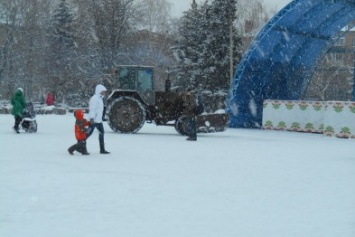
x=179 y=6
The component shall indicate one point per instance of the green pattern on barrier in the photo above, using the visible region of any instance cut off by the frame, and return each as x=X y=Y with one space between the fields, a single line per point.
x=303 y=106
x=329 y=131
x=317 y=106
x=281 y=125
x=309 y=127
x=289 y=105
x=352 y=108
x=345 y=132
x=276 y=104
x=338 y=107
x=268 y=125
x=296 y=126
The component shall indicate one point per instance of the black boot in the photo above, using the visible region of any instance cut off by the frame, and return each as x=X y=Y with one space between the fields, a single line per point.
x=18 y=121
x=102 y=149
x=72 y=149
x=192 y=138
x=16 y=130
x=85 y=152
x=83 y=149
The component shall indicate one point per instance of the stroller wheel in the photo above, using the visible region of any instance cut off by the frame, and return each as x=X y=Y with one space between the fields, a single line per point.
x=25 y=125
x=33 y=127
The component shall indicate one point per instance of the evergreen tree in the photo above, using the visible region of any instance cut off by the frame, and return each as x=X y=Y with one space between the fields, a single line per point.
x=61 y=49
x=62 y=21
x=217 y=65
x=189 y=48
x=203 y=47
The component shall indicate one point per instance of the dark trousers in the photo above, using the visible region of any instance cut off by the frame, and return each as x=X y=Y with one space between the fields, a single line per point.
x=100 y=128
x=191 y=128
x=80 y=146
x=18 y=120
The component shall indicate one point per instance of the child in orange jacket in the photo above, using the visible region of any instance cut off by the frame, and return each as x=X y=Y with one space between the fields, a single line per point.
x=81 y=129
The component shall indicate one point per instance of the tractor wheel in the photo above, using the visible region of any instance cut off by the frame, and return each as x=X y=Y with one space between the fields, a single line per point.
x=126 y=115
x=181 y=125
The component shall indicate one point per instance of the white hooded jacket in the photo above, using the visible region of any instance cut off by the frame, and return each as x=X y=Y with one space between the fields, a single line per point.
x=96 y=104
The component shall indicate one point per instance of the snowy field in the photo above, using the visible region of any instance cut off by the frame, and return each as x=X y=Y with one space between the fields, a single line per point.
x=239 y=183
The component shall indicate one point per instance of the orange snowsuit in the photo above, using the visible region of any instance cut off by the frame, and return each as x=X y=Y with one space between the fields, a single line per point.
x=81 y=125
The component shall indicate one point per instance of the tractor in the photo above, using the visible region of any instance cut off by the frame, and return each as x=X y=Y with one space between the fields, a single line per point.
x=133 y=101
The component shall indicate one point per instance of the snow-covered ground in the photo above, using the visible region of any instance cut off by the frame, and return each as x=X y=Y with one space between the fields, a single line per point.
x=239 y=183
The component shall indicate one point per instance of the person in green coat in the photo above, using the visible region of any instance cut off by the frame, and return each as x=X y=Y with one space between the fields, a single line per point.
x=18 y=104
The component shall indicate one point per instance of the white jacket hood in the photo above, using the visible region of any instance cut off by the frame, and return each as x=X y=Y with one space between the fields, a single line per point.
x=99 y=88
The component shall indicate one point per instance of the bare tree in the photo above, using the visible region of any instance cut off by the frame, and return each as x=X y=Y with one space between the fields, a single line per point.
x=21 y=52
x=330 y=80
x=125 y=32
x=109 y=23
x=153 y=15
x=151 y=41
x=10 y=16
x=252 y=16
x=32 y=46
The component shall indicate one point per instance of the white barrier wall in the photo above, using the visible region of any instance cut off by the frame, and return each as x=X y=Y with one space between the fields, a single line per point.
x=333 y=118
x=339 y=119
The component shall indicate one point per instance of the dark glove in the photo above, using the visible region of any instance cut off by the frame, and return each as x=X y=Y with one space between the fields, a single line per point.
x=92 y=122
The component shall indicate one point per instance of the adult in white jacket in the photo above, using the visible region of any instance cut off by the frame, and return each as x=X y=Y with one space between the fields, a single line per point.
x=96 y=109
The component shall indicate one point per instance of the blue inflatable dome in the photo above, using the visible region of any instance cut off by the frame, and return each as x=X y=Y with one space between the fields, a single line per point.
x=283 y=56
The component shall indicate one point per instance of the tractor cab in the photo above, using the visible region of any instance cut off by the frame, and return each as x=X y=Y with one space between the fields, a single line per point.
x=139 y=79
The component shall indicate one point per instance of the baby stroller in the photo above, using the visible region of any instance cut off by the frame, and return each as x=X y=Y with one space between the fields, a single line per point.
x=29 y=123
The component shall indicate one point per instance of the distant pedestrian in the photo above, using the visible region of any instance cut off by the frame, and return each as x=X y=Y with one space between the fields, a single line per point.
x=167 y=84
x=18 y=104
x=42 y=100
x=81 y=129
x=96 y=109
x=190 y=112
x=50 y=99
